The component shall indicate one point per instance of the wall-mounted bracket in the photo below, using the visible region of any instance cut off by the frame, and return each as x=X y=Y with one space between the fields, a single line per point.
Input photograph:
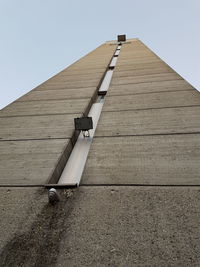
x=84 y=124
x=121 y=38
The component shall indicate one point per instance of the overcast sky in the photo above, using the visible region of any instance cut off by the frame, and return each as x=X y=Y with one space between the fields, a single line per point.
x=41 y=37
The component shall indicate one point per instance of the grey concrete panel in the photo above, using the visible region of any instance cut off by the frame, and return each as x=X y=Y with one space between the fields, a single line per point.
x=145 y=78
x=85 y=68
x=131 y=51
x=31 y=161
x=149 y=87
x=68 y=85
x=95 y=63
x=139 y=64
x=167 y=159
x=137 y=60
x=58 y=94
x=45 y=107
x=101 y=226
x=37 y=127
x=132 y=66
x=154 y=100
x=126 y=60
x=65 y=80
x=136 y=54
x=127 y=73
x=80 y=71
x=153 y=121
x=71 y=78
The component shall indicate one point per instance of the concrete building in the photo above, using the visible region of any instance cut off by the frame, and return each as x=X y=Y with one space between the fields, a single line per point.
x=137 y=203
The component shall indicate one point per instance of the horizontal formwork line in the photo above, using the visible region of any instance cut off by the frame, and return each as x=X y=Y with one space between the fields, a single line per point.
x=117 y=77
x=156 y=134
x=137 y=66
x=139 y=74
x=68 y=186
x=21 y=185
x=129 y=56
x=36 y=139
x=72 y=73
x=82 y=72
x=59 y=89
x=71 y=88
x=142 y=185
x=121 y=110
x=75 y=74
x=74 y=83
x=121 y=84
x=144 y=66
x=38 y=115
x=63 y=186
x=155 y=92
x=56 y=99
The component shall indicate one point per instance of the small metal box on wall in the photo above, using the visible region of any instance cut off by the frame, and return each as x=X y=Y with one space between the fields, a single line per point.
x=83 y=124
x=121 y=38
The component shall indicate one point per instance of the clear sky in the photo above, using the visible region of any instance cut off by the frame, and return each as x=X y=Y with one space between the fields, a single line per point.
x=41 y=37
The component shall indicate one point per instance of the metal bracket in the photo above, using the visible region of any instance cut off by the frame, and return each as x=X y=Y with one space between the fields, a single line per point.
x=84 y=124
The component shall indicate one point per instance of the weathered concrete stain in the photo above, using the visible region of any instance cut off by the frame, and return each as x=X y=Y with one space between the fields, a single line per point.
x=39 y=246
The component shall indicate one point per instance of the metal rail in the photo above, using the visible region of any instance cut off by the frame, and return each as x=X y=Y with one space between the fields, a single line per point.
x=74 y=168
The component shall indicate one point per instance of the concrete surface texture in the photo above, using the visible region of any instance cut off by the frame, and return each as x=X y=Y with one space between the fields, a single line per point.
x=101 y=226
x=45 y=117
x=138 y=202
x=149 y=137
x=149 y=87
x=80 y=93
x=31 y=161
x=37 y=127
x=149 y=122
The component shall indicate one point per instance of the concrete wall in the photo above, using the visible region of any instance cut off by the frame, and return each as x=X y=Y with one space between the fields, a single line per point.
x=149 y=129
x=36 y=130
x=138 y=203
